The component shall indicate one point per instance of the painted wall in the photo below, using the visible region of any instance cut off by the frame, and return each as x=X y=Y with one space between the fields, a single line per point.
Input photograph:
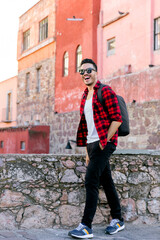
x=30 y=20
x=37 y=105
x=133 y=33
x=70 y=34
x=6 y=87
x=34 y=138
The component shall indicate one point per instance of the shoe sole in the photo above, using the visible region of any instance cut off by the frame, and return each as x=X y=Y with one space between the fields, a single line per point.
x=118 y=229
x=82 y=237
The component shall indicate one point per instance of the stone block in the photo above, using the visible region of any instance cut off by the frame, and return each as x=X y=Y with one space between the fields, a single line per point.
x=70 y=177
x=155 y=192
x=11 y=199
x=141 y=206
x=129 y=209
x=37 y=217
x=139 y=177
x=154 y=206
x=7 y=221
x=119 y=178
x=70 y=215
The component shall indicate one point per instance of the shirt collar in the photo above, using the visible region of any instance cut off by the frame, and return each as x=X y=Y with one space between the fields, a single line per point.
x=97 y=85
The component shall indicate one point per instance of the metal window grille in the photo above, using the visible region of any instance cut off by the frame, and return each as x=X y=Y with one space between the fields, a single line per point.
x=78 y=58
x=111 y=47
x=43 y=29
x=1 y=144
x=27 y=83
x=157 y=33
x=66 y=64
x=38 y=80
x=8 y=112
x=26 y=40
x=22 y=145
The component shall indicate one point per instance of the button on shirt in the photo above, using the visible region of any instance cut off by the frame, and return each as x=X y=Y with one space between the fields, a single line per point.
x=102 y=118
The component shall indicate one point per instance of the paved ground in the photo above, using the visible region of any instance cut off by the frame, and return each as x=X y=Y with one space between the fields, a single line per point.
x=131 y=232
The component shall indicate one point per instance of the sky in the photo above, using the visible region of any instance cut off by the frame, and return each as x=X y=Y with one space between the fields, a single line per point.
x=10 y=11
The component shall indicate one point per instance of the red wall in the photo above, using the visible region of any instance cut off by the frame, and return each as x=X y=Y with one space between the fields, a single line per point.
x=70 y=34
x=36 y=139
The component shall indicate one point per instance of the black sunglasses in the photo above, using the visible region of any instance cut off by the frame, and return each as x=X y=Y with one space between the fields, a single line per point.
x=87 y=70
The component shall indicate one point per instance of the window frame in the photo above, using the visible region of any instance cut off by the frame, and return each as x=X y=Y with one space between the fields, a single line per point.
x=9 y=106
x=111 y=52
x=38 y=80
x=26 y=40
x=78 y=57
x=65 y=64
x=156 y=34
x=27 y=83
x=43 y=29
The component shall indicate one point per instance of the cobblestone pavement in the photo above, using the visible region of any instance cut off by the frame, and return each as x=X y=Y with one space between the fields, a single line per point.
x=131 y=232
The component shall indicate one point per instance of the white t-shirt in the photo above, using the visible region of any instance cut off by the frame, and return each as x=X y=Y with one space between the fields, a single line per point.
x=92 y=132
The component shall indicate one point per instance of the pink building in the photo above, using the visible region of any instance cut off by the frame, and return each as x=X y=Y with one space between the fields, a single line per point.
x=8 y=102
x=129 y=48
x=128 y=35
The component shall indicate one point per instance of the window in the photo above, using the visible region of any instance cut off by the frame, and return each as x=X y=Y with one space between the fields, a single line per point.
x=23 y=145
x=26 y=40
x=1 y=144
x=38 y=80
x=43 y=29
x=65 y=64
x=27 y=83
x=111 y=47
x=157 y=33
x=8 y=112
x=78 y=57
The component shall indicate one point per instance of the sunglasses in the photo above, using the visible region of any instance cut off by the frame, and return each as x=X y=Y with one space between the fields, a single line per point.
x=87 y=70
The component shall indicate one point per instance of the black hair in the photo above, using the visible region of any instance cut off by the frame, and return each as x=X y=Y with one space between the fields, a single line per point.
x=88 y=60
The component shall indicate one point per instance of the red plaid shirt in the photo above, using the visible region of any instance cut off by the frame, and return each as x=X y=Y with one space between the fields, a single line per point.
x=102 y=118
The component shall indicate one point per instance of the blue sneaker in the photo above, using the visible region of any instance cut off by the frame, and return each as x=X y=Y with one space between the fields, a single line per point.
x=115 y=226
x=81 y=231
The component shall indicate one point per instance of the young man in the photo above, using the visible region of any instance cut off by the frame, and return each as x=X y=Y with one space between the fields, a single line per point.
x=98 y=132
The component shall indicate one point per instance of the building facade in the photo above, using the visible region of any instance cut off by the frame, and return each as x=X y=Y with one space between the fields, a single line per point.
x=128 y=61
x=128 y=36
x=36 y=64
x=8 y=102
x=120 y=37
x=76 y=38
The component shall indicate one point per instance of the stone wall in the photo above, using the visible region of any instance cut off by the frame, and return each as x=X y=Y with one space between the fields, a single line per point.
x=144 y=129
x=43 y=191
x=36 y=106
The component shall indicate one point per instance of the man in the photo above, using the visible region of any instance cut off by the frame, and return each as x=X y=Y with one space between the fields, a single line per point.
x=98 y=131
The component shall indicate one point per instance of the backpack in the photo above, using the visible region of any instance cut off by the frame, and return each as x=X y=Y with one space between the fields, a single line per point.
x=123 y=130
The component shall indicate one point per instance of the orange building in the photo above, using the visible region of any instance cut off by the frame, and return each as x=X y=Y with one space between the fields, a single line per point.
x=8 y=102
x=36 y=64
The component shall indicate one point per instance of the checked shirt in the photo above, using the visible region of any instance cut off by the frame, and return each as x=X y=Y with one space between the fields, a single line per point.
x=102 y=117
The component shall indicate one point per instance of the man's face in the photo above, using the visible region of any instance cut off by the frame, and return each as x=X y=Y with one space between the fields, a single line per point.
x=89 y=79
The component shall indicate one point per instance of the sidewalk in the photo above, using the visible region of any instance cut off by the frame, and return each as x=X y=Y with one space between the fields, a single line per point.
x=131 y=232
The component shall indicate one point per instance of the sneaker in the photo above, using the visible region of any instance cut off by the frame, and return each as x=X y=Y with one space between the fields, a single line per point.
x=81 y=231
x=115 y=226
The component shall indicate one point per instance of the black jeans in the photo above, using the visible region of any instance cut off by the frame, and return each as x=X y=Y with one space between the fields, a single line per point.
x=99 y=173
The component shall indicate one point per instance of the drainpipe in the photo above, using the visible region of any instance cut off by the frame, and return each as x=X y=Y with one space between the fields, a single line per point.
x=100 y=47
x=151 y=33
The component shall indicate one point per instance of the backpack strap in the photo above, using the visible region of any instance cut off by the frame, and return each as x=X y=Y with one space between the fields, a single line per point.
x=99 y=94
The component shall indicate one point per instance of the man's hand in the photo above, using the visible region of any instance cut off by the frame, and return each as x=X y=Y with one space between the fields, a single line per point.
x=100 y=145
x=87 y=157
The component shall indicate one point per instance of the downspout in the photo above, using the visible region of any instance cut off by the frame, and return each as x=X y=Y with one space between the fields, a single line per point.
x=151 y=33
x=100 y=47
